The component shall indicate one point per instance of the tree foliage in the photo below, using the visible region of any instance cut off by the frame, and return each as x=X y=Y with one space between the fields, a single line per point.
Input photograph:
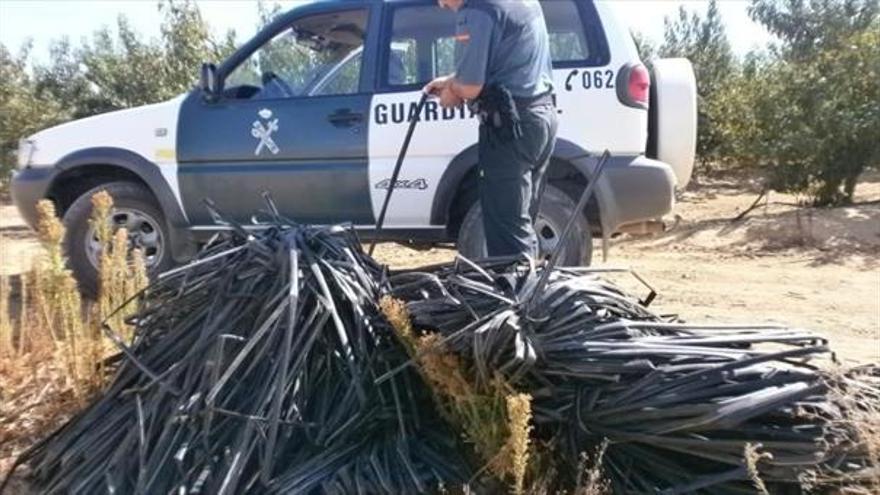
x=121 y=70
x=818 y=120
x=805 y=111
x=23 y=110
x=703 y=41
x=114 y=70
x=646 y=48
x=809 y=26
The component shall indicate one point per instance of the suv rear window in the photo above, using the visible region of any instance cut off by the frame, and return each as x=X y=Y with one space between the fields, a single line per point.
x=568 y=41
x=422 y=45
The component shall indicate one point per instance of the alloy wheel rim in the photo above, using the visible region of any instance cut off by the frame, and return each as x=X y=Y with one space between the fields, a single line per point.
x=144 y=233
x=547 y=233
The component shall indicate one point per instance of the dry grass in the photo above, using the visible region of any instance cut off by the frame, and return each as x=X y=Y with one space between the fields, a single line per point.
x=59 y=310
x=122 y=273
x=51 y=355
x=494 y=420
x=753 y=456
x=591 y=478
x=7 y=343
x=857 y=393
x=519 y=414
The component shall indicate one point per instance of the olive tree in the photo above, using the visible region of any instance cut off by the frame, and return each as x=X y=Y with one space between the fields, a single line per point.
x=818 y=120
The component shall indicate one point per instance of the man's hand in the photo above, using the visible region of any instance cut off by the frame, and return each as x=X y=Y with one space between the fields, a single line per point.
x=449 y=99
x=437 y=86
x=451 y=92
x=442 y=87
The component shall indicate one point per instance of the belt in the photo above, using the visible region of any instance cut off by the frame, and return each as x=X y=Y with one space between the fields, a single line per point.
x=533 y=101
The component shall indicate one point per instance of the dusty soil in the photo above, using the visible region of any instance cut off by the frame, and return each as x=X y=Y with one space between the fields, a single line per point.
x=817 y=268
x=18 y=244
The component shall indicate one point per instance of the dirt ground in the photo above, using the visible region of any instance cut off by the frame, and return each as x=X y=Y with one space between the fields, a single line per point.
x=817 y=268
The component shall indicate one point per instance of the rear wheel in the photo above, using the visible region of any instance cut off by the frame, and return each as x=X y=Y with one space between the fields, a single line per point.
x=555 y=210
x=136 y=210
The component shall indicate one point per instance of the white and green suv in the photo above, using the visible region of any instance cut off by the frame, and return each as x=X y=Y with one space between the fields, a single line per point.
x=313 y=110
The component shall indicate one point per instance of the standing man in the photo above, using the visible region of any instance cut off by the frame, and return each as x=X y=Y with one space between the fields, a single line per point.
x=504 y=70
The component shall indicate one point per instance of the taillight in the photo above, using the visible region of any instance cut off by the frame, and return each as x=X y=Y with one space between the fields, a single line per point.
x=639 y=84
x=634 y=85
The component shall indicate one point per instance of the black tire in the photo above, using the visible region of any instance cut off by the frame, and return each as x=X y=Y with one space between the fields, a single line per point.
x=555 y=210
x=130 y=199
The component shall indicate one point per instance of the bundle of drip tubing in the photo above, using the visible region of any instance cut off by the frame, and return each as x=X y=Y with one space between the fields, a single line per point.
x=287 y=360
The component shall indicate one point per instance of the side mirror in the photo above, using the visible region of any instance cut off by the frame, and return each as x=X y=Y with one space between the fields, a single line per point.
x=208 y=80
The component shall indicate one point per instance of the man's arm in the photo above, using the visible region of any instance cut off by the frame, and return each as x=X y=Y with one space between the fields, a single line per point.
x=465 y=91
x=474 y=35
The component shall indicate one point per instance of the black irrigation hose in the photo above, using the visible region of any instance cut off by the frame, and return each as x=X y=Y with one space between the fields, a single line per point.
x=252 y=371
x=679 y=403
x=566 y=231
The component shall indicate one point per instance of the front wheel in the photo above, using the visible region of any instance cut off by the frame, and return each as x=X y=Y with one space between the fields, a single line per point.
x=555 y=210
x=136 y=210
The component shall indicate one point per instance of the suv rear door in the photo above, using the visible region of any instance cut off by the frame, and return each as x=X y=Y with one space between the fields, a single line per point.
x=292 y=121
x=418 y=43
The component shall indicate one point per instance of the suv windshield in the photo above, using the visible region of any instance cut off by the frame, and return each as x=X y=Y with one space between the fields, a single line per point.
x=318 y=54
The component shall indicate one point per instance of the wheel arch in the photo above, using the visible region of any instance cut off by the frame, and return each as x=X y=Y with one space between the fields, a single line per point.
x=83 y=170
x=570 y=167
x=116 y=164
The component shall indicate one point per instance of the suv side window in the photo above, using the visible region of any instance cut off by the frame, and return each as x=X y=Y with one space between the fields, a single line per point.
x=317 y=55
x=342 y=79
x=568 y=41
x=576 y=35
x=422 y=43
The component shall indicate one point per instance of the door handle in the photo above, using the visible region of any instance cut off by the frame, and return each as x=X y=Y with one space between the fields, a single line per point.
x=345 y=118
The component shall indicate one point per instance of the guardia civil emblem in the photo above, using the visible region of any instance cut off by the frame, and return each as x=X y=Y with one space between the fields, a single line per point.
x=262 y=129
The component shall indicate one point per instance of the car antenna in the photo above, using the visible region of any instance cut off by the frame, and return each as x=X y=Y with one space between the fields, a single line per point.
x=403 y=149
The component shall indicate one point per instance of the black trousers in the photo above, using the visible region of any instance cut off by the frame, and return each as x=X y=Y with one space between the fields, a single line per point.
x=512 y=180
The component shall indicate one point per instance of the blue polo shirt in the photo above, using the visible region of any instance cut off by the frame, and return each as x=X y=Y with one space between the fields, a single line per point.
x=504 y=42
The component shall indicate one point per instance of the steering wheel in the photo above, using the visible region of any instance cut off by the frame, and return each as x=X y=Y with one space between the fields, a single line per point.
x=274 y=84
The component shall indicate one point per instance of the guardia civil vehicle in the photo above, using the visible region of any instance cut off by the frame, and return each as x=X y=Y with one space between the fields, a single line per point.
x=313 y=110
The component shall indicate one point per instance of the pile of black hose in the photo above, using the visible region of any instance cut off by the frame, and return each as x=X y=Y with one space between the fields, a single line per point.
x=253 y=370
x=679 y=408
x=267 y=366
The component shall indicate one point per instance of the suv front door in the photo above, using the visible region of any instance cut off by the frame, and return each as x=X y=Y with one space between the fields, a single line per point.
x=291 y=121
